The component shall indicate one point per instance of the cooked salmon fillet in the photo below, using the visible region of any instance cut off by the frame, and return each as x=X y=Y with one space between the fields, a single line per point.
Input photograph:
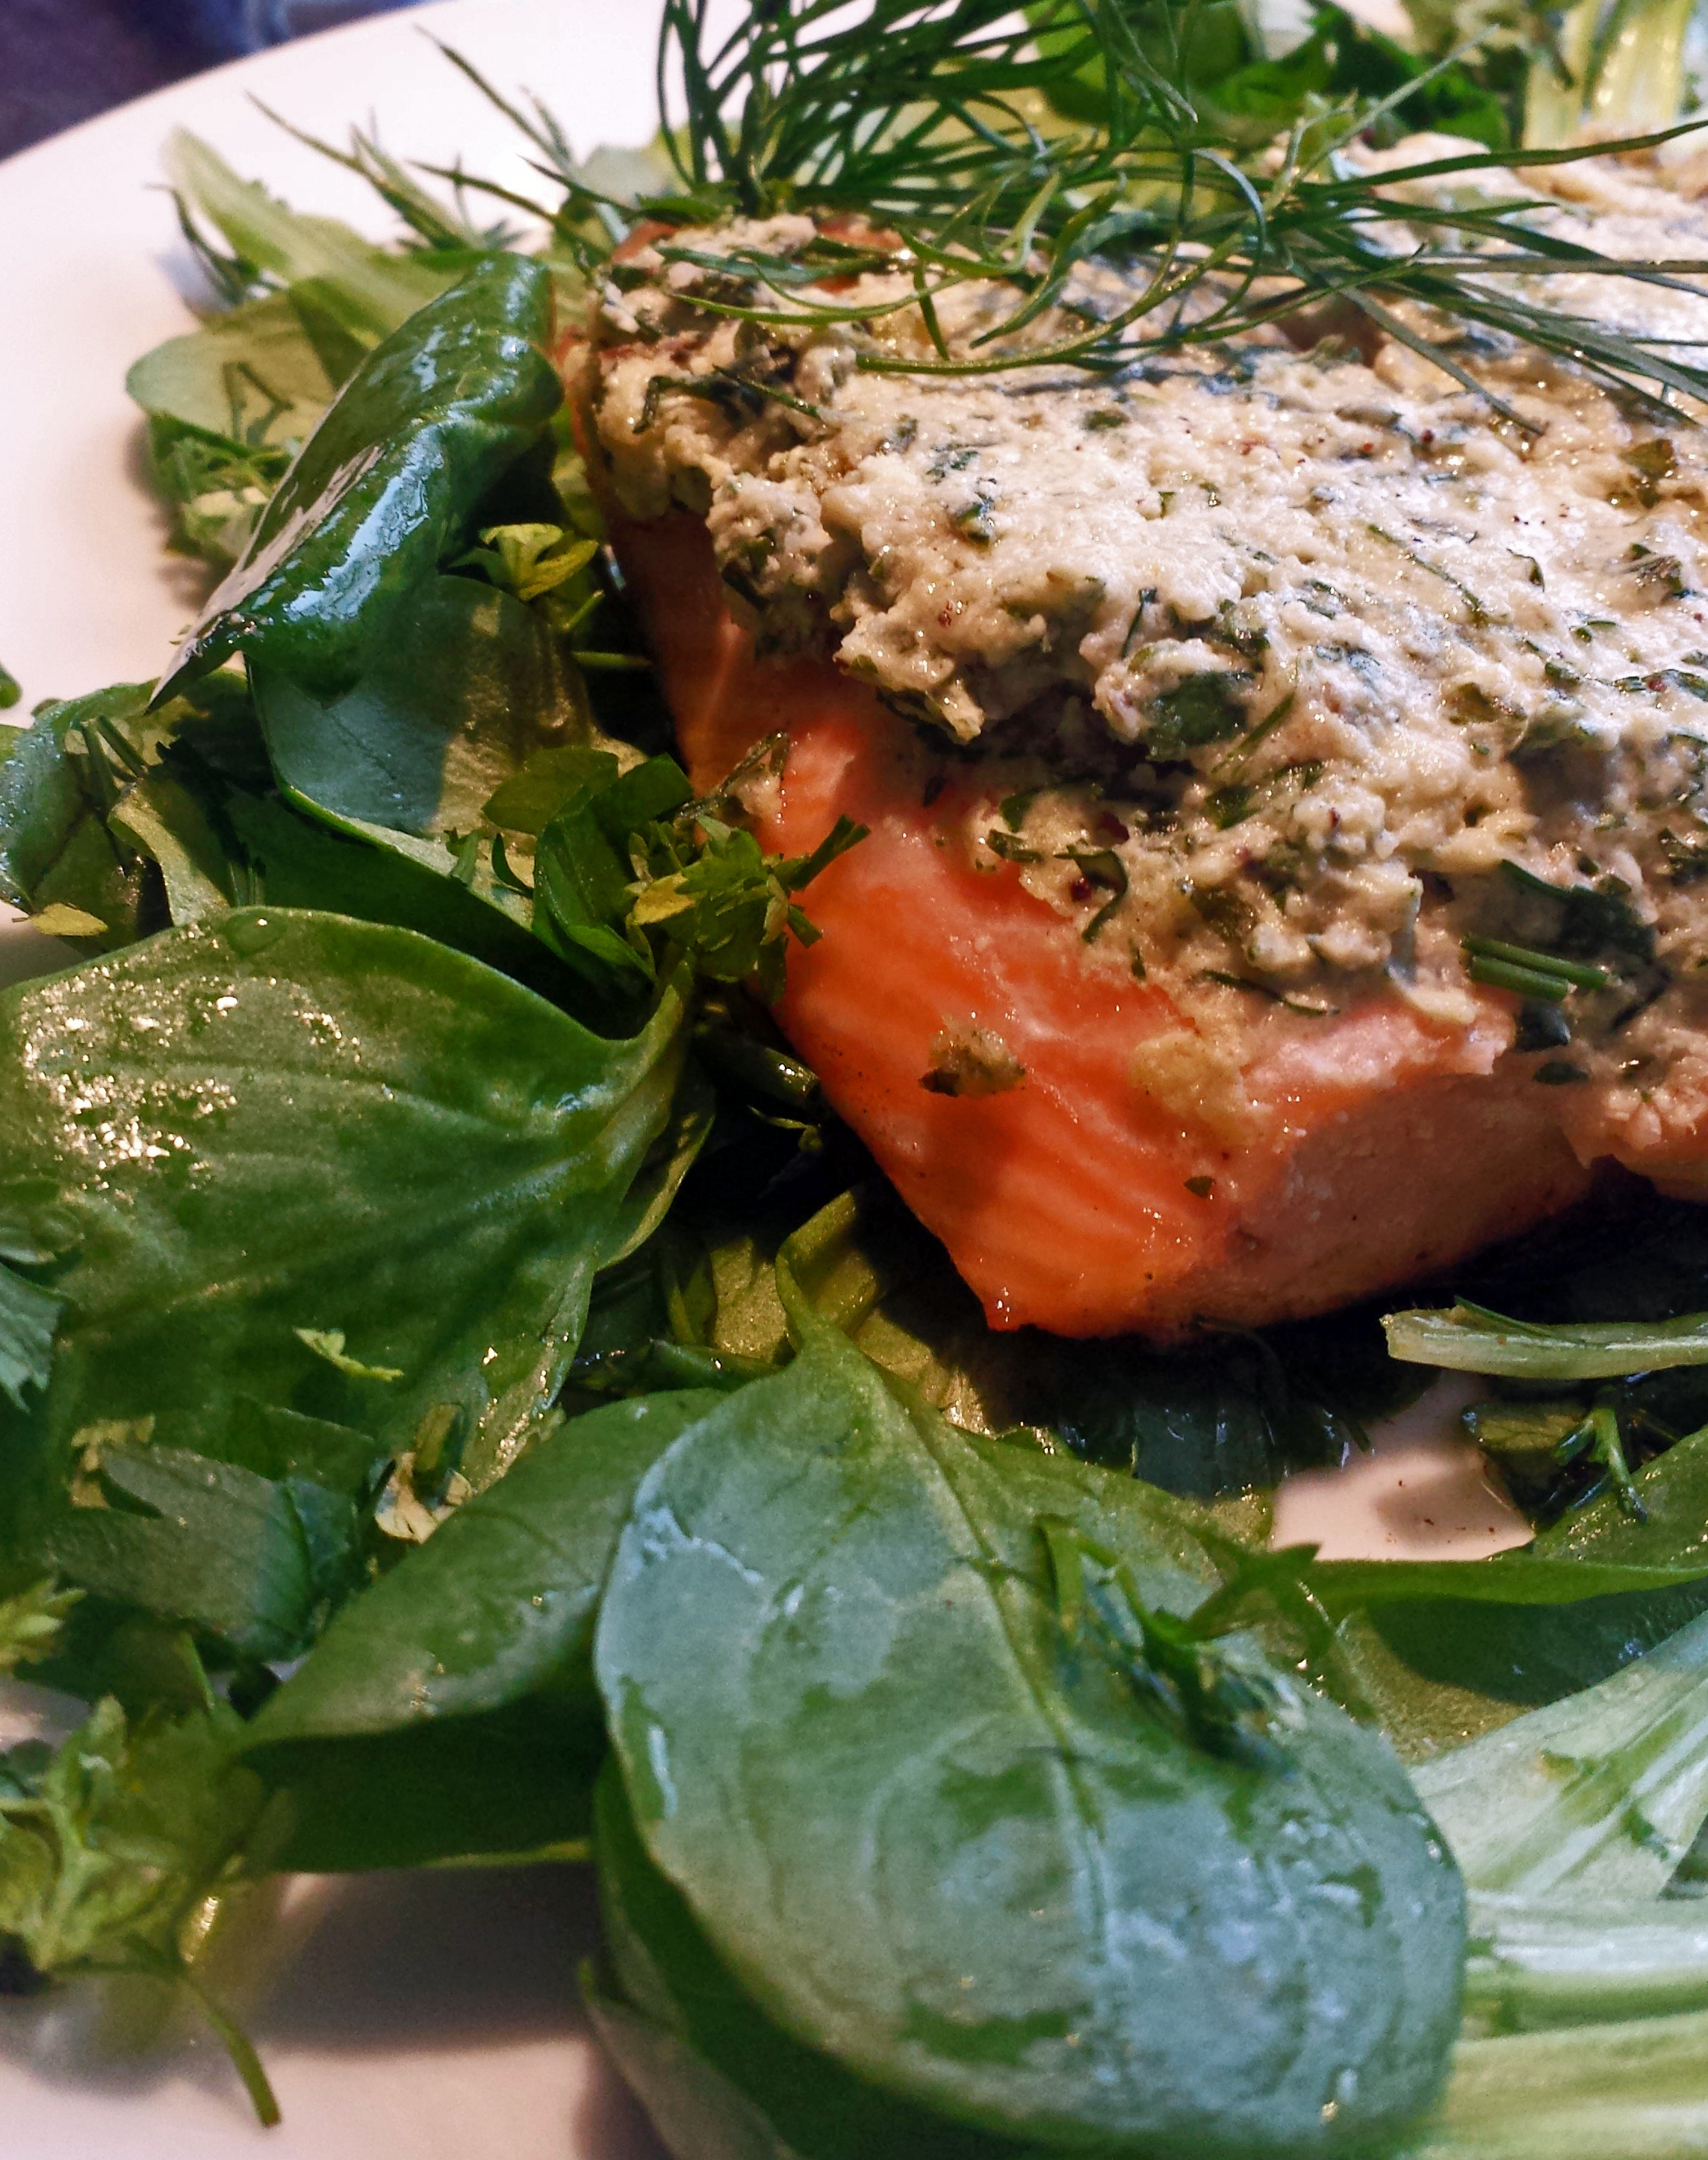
x=1288 y=855
x=1122 y=1184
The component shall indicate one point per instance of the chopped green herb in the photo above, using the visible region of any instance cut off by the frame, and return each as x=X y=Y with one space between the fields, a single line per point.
x=1202 y=710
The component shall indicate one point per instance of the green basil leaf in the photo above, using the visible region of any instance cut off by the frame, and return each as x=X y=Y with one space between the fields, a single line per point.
x=379 y=495
x=933 y=1827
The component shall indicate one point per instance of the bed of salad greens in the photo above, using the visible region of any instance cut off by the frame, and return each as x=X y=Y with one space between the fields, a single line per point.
x=463 y=1397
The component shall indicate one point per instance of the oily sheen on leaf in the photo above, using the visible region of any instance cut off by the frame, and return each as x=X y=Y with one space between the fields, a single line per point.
x=288 y=1121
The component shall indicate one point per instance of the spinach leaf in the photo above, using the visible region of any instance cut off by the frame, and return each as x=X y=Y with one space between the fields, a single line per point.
x=254 y=377
x=380 y=492
x=229 y=405
x=450 y=1709
x=162 y=818
x=690 y=2041
x=469 y=685
x=982 y=1825
x=299 y=861
x=1597 y=1797
x=1632 y=2090
x=697 y=2113
x=62 y=778
x=56 y=783
x=514 y=1785
x=1444 y=1666
x=499 y=1604
x=296 y=1121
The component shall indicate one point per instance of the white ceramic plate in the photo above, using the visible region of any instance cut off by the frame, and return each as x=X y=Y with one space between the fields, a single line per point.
x=424 y=2017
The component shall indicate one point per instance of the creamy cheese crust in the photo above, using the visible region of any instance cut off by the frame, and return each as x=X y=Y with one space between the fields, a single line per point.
x=1286 y=671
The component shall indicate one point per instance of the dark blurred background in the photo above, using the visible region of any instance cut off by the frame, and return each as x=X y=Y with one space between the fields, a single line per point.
x=62 y=60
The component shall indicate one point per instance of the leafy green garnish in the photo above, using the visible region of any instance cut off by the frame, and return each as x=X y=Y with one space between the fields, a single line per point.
x=111 y=1845
x=910 y=113
x=451 y=1710
x=30 y=1624
x=1469 y=1338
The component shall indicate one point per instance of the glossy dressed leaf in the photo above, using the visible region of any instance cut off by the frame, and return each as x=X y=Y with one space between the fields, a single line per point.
x=468 y=686
x=378 y=496
x=955 y=1838
x=295 y=1120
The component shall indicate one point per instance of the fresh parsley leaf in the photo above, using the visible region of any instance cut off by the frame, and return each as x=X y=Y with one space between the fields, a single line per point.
x=30 y=1624
x=110 y=1847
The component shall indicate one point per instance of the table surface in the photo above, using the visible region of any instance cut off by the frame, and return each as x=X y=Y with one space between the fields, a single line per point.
x=64 y=61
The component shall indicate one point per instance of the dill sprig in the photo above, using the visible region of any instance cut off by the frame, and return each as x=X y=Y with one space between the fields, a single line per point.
x=942 y=122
